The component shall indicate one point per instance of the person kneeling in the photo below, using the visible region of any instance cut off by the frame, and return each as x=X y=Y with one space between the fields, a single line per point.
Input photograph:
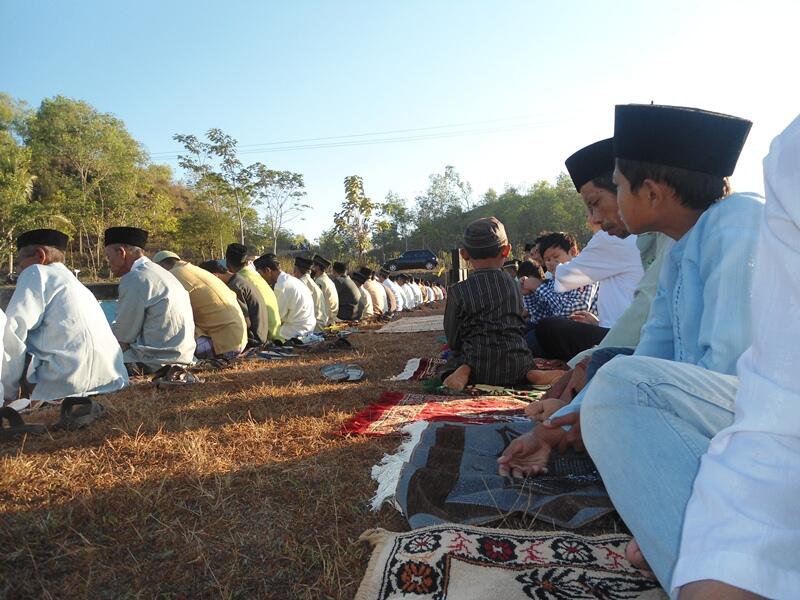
x=483 y=315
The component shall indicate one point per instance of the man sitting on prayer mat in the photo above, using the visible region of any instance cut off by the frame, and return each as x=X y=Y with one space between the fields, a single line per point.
x=302 y=271
x=365 y=306
x=236 y=262
x=325 y=283
x=154 y=324
x=250 y=301
x=219 y=326
x=376 y=292
x=483 y=315
x=611 y=259
x=408 y=294
x=348 y=293
x=672 y=165
x=294 y=299
x=393 y=294
x=57 y=322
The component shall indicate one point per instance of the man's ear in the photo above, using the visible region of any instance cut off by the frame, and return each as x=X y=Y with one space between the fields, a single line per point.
x=464 y=254
x=41 y=256
x=652 y=193
x=573 y=251
x=505 y=251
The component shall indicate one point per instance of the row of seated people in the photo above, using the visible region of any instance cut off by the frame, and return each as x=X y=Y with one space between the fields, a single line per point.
x=701 y=465
x=57 y=341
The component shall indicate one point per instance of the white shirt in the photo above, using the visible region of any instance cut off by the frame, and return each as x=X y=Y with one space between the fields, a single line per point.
x=2 y=353
x=321 y=313
x=366 y=302
x=58 y=321
x=408 y=295
x=398 y=293
x=613 y=262
x=296 y=307
x=741 y=525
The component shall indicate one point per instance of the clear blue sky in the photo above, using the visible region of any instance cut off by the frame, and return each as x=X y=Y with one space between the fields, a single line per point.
x=530 y=81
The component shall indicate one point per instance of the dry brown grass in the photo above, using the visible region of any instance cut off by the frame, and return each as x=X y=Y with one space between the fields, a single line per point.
x=232 y=489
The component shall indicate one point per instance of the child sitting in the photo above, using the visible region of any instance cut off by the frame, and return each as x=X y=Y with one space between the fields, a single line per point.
x=557 y=248
x=483 y=316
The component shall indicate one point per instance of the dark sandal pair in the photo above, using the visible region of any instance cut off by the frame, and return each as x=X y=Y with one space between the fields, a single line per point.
x=76 y=413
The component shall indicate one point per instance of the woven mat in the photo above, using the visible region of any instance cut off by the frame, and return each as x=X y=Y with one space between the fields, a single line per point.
x=417 y=369
x=394 y=410
x=450 y=476
x=457 y=562
x=414 y=324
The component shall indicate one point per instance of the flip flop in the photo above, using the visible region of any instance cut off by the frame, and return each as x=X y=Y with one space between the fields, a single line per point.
x=354 y=373
x=17 y=425
x=336 y=373
x=77 y=413
x=174 y=375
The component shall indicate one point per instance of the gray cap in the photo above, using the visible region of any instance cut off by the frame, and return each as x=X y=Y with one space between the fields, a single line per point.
x=485 y=233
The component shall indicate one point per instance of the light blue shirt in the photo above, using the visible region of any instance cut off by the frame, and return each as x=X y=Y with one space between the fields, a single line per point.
x=701 y=312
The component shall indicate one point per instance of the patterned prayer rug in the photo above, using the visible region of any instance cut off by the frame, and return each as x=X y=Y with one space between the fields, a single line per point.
x=547 y=364
x=414 y=325
x=451 y=476
x=393 y=410
x=419 y=368
x=457 y=562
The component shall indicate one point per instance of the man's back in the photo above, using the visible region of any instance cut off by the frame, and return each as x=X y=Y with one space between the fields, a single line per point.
x=296 y=305
x=268 y=295
x=60 y=323
x=214 y=306
x=349 y=297
x=154 y=316
x=256 y=307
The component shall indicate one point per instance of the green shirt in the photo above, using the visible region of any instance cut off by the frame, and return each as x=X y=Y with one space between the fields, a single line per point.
x=270 y=300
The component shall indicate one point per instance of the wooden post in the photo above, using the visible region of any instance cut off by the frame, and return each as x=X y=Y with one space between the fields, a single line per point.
x=458 y=272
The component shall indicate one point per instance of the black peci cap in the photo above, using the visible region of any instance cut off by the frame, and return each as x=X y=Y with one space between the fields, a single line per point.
x=131 y=236
x=677 y=136
x=43 y=237
x=592 y=161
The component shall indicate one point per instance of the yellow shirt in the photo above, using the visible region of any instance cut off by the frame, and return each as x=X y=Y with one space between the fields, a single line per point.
x=270 y=299
x=214 y=306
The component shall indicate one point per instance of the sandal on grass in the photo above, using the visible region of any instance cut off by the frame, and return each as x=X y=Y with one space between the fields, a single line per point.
x=340 y=372
x=77 y=413
x=175 y=375
x=16 y=424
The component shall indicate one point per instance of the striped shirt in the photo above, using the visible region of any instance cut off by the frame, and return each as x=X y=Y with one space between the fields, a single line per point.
x=546 y=302
x=485 y=329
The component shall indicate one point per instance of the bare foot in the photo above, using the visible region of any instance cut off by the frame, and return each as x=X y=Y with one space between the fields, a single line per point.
x=543 y=409
x=543 y=377
x=634 y=555
x=458 y=379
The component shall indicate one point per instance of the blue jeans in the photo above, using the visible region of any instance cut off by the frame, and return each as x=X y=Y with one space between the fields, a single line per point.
x=646 y=422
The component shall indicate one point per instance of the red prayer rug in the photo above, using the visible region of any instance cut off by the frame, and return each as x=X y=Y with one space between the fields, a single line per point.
x=459 y=562
x=393 y=410
x=417 y=369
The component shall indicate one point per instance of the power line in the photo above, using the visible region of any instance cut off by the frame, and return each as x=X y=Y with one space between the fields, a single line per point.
x=344 y=142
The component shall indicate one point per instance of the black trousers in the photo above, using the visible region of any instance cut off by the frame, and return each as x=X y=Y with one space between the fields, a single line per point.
x=562 y=338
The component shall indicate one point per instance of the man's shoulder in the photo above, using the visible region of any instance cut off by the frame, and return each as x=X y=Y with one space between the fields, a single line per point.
x=742 y=209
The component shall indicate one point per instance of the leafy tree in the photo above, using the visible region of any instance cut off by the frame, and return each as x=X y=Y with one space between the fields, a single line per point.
x=281 y=194
x=87 y=167
x=394 y=226
x=331 y=244
x=217 y=159
x=355 y=219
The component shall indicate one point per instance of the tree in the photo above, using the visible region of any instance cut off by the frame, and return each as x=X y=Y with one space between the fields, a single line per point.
x=355 y=220
x=281 y=194
x=396 y=220
x=331 y=244
x=447 y=197
x=87 y=167
x=217 y=159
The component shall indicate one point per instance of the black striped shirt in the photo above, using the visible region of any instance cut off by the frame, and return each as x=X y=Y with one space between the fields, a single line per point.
x=485 y=329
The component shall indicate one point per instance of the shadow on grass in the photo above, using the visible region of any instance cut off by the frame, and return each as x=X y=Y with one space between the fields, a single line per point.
x=282 y=530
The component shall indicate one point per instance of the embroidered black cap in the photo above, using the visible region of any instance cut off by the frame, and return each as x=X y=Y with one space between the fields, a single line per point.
x=321 y=261
x=303 y=263
x=266 y=261
x=339 y=267
x=358 y=277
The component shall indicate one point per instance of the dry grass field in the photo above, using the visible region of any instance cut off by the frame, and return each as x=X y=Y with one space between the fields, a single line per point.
x=235 y=488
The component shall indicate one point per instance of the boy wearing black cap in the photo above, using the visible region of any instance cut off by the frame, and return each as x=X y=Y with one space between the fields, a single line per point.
x=483 y=315
x=655 y=412
x=55 y=320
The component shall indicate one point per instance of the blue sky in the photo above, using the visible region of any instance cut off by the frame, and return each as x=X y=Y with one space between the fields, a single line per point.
x=504 y=91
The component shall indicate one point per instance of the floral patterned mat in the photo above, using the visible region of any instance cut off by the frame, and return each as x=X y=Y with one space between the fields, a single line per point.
x=460 y=562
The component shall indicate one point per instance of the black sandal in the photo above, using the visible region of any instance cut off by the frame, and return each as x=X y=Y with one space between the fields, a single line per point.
x=17 y=425
x=77 y=413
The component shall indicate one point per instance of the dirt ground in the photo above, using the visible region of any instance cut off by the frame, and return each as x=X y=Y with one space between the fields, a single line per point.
x=235 y=488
